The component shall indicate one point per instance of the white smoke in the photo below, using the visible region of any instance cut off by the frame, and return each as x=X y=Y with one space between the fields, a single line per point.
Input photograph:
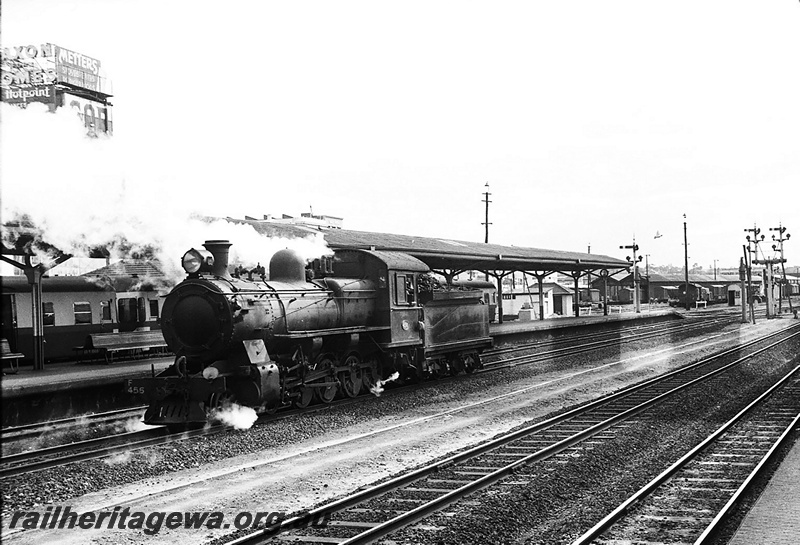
x=377 y=390
x=118 y=458
x=81 y=193
x=237 y=416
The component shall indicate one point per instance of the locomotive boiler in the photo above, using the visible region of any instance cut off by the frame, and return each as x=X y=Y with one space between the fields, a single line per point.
x=305 y=332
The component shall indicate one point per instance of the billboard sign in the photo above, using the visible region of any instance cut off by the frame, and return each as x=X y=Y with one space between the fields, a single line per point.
x=49 y=63
x=33 y=93
x=95 y=116
x=77 y=69
x=23 y=78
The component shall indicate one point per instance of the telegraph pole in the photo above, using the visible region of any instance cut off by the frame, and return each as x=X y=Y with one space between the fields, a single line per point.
x=589 y=278
x=743 y=283
x=635 y=248
x=685 y=263
x=486 y=241
x=781 y=230
x=486 y=223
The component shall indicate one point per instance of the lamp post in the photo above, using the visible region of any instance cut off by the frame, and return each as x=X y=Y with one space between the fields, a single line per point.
x=634 y=261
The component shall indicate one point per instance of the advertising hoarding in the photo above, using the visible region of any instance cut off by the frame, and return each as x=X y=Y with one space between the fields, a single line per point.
x=95 y=116
x=32 y=93
x=77 y=69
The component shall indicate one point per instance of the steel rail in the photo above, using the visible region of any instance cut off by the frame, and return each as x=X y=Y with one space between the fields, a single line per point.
x=655 y=483
x=40 y=427
x=160 y=439
x=586 y=347
x=748 y=482
x=163 y=439
x=385 y=528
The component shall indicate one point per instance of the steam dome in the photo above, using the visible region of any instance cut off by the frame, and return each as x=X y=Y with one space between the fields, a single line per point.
x=287 y=266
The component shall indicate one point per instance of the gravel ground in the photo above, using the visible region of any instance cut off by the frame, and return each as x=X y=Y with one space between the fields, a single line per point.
x=564 y=498
x=241 y=457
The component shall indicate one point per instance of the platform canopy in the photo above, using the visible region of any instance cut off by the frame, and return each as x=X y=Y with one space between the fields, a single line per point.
x=454 y=255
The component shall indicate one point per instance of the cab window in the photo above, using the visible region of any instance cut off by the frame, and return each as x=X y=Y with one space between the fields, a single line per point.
x=400 y=289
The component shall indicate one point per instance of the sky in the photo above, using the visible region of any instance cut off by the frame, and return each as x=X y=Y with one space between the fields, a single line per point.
x=594 y=123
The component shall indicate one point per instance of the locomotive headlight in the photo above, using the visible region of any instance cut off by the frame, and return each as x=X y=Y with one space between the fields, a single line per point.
x=210 y=373
x=194 y=261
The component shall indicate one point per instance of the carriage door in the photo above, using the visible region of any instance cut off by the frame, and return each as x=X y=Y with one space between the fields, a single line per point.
x=9 y=321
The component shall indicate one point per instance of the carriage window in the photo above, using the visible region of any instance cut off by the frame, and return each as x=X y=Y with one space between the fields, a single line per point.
x=141 y=314
x=83 y=312
x=48 y=314
x=153 y=309
x=105 y=311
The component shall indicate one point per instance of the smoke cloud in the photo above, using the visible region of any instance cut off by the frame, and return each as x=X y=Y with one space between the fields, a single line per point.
x=77 y=193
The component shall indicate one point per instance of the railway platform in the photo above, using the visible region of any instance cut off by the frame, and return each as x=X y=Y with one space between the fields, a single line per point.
x=775 y=517
x=67 y=376
x=520 y=327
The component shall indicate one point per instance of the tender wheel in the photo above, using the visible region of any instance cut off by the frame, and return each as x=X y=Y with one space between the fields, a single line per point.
x=470 y=362
x=456 y=365
x=304 y=399
x=352 y=379
x=438 y=369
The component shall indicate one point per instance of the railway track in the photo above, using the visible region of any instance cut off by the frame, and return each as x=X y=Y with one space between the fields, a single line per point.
x=557 y=348
x=90 y=449
x=690 y=500
x=67 y=425
x=375 y=512
x=100 y=447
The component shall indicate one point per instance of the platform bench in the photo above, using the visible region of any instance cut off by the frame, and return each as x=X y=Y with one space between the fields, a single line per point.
x=108 y=344
x=11 y=357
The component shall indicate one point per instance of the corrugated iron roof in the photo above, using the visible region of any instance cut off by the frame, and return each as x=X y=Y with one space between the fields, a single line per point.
x=443 y=253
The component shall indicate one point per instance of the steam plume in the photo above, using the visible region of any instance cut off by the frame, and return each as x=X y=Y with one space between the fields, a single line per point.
x=75 y=193
x=377 y=390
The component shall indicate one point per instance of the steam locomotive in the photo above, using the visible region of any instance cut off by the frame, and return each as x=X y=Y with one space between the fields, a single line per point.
x=337 y=325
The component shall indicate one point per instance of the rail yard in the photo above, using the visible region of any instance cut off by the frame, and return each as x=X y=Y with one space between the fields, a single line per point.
x=440 y=273
x=539 y=446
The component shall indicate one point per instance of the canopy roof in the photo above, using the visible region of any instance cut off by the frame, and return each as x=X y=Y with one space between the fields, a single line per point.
x=442 y=253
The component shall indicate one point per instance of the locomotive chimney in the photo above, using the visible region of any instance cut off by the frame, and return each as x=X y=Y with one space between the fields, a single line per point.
x=219 y=249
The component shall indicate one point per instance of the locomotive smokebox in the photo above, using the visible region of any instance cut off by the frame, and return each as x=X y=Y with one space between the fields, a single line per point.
x=219 y=249
x=287 y=266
